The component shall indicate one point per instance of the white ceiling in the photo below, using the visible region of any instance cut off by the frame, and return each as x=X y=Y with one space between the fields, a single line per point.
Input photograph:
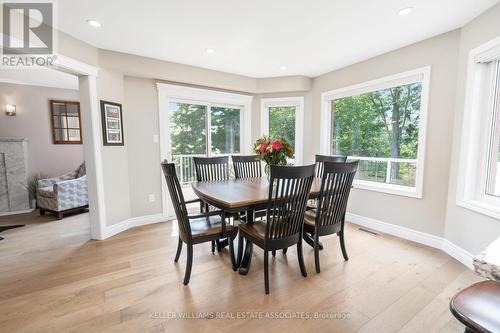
x=39 y=76
x=256 y=38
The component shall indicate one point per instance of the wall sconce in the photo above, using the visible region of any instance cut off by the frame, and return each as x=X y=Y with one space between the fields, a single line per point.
x=10 y=109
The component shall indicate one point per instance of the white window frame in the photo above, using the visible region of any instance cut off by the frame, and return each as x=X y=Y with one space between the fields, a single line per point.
x=417 y=75
x=475 y=144
x=175 y=93
x=298 y=103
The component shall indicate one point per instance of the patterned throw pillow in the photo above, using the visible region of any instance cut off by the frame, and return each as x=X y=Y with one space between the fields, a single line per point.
x=81 y=171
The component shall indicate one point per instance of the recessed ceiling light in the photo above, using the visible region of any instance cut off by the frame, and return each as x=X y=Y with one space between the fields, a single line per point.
x=405 y=11
x=283 y=68
x=94 y=23
x=209 y=50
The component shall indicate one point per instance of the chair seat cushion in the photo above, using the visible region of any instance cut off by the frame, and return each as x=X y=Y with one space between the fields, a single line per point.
x=478 y=306
x=256 y=230
x=46 y=191
x=209 y=226
x=310 y=219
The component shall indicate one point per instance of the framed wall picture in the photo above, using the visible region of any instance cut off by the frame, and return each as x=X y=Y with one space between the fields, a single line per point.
x=112 y=124
x=65 y=121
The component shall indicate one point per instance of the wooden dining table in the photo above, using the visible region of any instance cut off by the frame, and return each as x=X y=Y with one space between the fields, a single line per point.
x=243 y=195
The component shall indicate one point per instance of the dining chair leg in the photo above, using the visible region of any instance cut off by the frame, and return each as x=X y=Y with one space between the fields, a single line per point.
x=274 y=253
x=219 y=247
x=213 y=247
x=240 y=248
x=300 y=257
x=189 y=263
x=179 y=249
x=285 y=250
x=266 y=271
x=316 y=253
x=342 y=244
x=231 y=253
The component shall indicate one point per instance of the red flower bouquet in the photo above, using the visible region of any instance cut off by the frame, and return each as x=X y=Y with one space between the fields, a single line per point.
x=273 y=151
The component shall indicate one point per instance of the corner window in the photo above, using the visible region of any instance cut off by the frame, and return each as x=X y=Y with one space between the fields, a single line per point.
x=382 y=124
x=478 y=184
x=283 y=118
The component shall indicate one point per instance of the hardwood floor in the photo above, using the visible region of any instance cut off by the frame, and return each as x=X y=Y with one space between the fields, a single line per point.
x=54 y=279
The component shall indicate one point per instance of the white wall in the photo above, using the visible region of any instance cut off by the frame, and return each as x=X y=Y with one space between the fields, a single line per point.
x=467 y=229
x=33 y=122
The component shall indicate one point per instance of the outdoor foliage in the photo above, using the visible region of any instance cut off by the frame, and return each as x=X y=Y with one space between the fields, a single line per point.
x=282 y=123
x=383 y=123
x=188 y=129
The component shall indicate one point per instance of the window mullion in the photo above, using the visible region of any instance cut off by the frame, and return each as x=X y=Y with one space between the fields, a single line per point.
x=209 y=128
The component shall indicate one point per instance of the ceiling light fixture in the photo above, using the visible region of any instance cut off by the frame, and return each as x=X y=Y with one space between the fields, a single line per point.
x=283 y=68
x=405 y=11
x=94 y=23
x=209 y=50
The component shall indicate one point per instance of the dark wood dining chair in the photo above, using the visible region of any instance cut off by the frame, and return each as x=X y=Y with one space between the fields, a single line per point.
x=196 y=229
x=288 y=192
x=321 y=159
x=211 y=169
x=329 y=216
x=247 y=166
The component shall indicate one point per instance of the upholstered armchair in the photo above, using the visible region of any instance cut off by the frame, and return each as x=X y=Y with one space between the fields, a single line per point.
x=63 y=194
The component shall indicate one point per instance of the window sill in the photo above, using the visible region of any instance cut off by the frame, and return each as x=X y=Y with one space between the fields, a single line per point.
x=404 y=191
x=480 y=207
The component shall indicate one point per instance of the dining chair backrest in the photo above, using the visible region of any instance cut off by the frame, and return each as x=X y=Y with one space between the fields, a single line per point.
x=247 y=166
x=288 y=194
x=321 y=159
x=336 y=184
x=211 y=168
x=175 y=190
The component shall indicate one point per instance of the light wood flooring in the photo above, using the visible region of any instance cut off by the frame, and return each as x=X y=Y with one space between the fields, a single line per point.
x=54 y=279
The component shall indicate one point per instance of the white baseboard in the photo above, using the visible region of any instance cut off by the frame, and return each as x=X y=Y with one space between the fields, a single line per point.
x=445 y=245
x=133 y=222
x=17 y=212
x=458 y=253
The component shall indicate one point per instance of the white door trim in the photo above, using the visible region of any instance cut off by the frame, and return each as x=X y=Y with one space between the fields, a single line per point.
x=91 y=121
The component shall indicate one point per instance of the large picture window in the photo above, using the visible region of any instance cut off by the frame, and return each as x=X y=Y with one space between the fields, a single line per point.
x=283 y=118
x=478 y=183
x=200 y=122
x=196 y=126
x=381 y=124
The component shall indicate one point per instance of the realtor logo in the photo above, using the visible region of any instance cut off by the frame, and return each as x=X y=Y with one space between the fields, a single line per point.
x=28 y=35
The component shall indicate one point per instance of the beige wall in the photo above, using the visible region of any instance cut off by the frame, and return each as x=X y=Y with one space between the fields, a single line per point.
x=131 y=172
x=142 y=67
x=76 y=49
x=33 y=122
x=465 y=228
x=115 y=158
x=427 y=214
x=141 y=105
